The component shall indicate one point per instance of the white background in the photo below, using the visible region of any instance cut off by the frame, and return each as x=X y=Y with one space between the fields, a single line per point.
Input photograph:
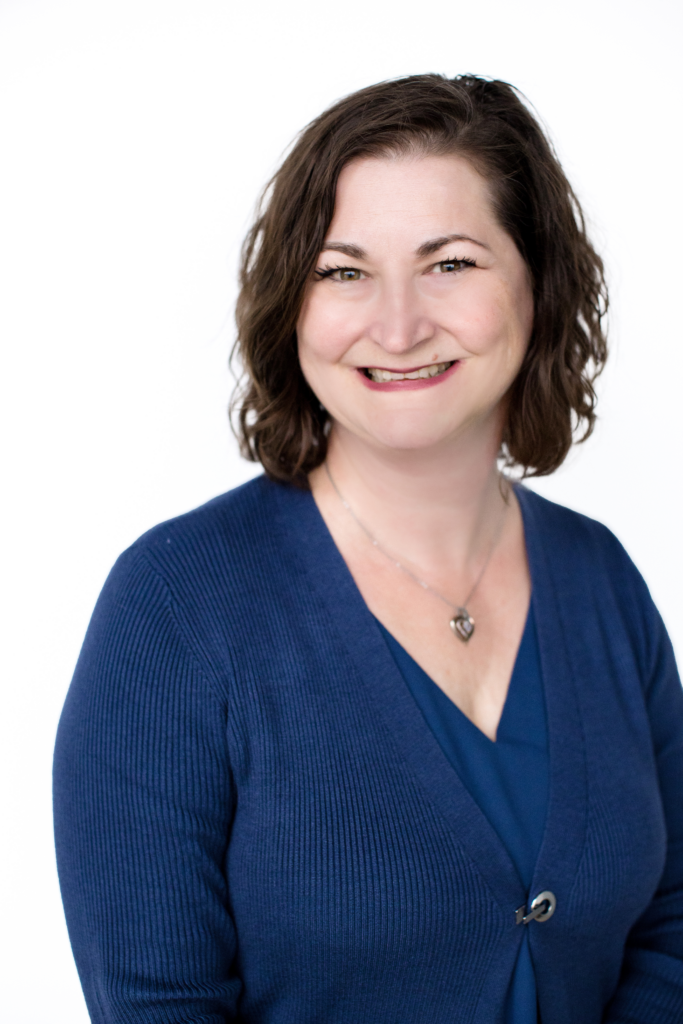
x=134 y=138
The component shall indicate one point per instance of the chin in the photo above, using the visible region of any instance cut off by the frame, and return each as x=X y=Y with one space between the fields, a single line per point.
x=402 y=436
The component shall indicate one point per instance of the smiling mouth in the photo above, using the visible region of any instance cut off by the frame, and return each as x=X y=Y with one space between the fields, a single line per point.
x=380 y=376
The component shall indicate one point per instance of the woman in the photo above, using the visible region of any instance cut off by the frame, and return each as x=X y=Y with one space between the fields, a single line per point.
x=379 y=737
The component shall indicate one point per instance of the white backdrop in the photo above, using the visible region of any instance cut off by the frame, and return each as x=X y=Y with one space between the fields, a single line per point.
x=135 y=135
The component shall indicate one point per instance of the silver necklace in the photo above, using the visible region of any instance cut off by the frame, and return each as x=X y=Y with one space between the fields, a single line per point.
x=462 y=622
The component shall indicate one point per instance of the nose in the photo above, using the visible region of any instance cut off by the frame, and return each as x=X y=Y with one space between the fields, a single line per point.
x=400 y=322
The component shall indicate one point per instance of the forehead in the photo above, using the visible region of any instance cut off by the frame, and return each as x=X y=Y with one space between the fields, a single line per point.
x=407 y=194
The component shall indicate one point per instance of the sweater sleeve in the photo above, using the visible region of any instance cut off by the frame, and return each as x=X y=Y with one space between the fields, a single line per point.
x=143 y=804
x=651 y=984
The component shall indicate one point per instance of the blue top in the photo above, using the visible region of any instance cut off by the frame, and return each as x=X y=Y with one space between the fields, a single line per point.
x=508 y=778
x=255 y=823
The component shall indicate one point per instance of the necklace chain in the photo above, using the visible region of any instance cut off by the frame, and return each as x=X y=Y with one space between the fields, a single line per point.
x=461 y=610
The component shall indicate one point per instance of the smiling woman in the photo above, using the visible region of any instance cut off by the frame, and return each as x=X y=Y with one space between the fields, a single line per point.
x=402 y=313
x=289 y=786
x=505 y=159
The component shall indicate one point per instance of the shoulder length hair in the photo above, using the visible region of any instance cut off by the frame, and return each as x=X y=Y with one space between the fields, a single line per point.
x=279 y=422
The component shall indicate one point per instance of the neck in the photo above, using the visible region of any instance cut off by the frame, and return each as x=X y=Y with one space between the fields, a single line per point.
x=437 y=508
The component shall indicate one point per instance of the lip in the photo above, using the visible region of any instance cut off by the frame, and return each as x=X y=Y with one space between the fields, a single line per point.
x=406 y=385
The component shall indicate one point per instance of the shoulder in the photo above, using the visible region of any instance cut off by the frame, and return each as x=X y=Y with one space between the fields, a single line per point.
x=206 y=574
x=573 y=540
x=231 y=514
x=231 y=531
x=587 y=566
x=222 y=547
x=233 y=549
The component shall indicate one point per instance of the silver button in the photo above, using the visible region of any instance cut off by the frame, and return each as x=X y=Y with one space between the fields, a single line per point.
x=541 y=908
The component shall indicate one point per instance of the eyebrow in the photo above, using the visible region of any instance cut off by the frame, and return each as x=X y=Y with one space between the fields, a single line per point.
x=355 y=252
x=347 y=248
x=434 y=244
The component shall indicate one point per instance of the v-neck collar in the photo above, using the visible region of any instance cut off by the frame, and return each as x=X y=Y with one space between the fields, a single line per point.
x=315 y=552
x=512 y=697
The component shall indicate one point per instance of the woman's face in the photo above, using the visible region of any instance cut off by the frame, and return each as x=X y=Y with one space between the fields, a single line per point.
x=420 y=309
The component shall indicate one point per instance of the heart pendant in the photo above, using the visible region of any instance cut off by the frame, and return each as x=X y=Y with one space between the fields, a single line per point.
x=462 y=625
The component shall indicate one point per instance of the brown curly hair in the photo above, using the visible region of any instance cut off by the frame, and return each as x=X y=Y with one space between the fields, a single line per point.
x=280 y=423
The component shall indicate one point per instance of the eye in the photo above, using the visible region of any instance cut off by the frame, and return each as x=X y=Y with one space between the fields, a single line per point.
x=452 y=266
x=340 y=273
x=348 y=274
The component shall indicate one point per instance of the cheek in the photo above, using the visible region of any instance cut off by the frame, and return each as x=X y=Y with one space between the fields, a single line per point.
x=324 y=331
x=496 y=318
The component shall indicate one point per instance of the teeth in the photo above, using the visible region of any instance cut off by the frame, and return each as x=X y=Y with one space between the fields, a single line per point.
x=381 y=376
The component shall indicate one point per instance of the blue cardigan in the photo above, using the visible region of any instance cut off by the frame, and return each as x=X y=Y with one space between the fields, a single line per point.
x=255 y=823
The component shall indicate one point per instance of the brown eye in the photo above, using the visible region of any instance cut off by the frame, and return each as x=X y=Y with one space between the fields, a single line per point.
x=449 y=266
x=339 y=274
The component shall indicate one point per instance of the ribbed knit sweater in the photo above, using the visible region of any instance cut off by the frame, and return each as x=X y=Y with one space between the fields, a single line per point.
x=254 y=822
